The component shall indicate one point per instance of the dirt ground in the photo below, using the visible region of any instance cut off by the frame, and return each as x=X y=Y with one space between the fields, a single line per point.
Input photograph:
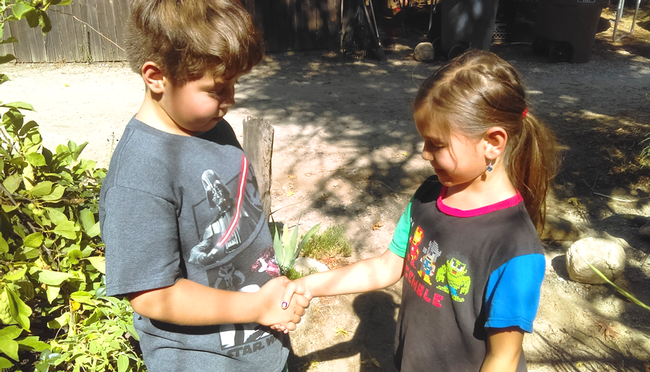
x=346 y=152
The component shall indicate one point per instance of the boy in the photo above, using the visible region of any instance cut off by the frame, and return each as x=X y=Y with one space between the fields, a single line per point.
x=186 y=239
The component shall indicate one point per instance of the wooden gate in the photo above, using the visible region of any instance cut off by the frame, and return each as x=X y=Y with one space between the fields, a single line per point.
x=91 y=30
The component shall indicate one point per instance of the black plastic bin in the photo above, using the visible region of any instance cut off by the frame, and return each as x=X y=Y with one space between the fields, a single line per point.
x=566 y=29
x=466 y=24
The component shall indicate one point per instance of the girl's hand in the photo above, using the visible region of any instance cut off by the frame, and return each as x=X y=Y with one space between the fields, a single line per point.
x=295 y=289
x=268 y=308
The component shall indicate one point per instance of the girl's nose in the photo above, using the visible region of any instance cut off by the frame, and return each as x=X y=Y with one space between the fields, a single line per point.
x=427 y=155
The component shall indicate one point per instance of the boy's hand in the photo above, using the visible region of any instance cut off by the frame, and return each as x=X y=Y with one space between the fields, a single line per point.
x=271 y=311
x=293 y=290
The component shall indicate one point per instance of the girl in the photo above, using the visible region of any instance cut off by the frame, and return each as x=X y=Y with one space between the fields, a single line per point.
x=467 y=244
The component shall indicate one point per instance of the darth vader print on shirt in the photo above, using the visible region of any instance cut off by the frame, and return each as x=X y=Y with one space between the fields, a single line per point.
x=232 y=209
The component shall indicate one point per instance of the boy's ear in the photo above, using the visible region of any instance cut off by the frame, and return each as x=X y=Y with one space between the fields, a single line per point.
x=496 y=139
x=153 y=77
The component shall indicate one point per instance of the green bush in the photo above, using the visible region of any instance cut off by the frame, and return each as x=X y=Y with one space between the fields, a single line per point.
x=52 y=292
x=330 y=243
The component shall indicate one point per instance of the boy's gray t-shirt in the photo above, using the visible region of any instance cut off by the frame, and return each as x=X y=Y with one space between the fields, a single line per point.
x=176 y=207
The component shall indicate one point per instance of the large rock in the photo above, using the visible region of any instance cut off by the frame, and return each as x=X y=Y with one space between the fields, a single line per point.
x=424 y=52
x=605 y=255
x=308 y=265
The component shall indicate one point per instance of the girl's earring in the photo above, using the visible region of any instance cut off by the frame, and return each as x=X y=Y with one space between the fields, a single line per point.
x=489 y=167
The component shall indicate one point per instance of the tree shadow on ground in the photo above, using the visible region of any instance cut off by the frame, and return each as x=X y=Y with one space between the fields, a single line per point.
x=373 y=339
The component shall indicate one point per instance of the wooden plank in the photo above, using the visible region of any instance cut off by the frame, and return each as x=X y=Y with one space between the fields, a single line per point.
x=258 y=145
x=37 y=44
x=54 y=39
x=106 y=22
x=81 y=32
x=66 y=27
x=121 y=12
x=90 y=10
x=7 y=48
x=22 y=48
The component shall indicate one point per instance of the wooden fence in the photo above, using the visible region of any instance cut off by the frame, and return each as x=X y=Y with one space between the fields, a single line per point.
x=91 y=30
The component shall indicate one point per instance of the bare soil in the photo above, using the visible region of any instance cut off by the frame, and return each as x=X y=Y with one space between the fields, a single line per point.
x=346 y=152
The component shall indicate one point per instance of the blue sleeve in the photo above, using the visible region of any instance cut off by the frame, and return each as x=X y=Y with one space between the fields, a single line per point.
x=513 y=292
x=400 y=242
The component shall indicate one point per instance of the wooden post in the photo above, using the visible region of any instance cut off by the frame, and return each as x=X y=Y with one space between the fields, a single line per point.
x=258 y=145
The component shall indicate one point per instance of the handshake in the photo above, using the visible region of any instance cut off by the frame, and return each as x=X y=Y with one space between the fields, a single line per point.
x=284 y=303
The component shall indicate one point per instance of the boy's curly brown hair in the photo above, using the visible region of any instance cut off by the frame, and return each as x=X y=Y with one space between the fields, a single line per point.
x=188 y=39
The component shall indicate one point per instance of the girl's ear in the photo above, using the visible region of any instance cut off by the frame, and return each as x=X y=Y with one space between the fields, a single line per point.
x=153 y=77
x=496 y=139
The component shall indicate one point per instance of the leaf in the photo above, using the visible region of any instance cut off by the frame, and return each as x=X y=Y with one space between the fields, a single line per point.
x=75 y=255
x=45 y=22
x=41 y=189
x=9 y=40
x=94 y=231
x=15 y=275
x=33 y=240
x=3 y=78
x=52 y=292
x=19 y=310
x=5 y=363
x=66 y=229
x=98 y=263
x=18 y=105
x=56 y=194
x=87 y=219
x=33 y=343
x=277 y=246
x=53 y=278
x=83 y=297
x=7 y=58
x=10 y=347
x=293 y=242
x=122 y=363
x=35 y=159
x=56 y=216
x=20 y=8
x=12 y=183
x=308 y=236
x=4 y=247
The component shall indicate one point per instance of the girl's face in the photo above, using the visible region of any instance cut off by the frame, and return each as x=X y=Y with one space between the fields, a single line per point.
x=456 y=159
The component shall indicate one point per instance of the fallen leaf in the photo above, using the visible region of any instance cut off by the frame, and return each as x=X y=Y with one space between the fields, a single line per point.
x=341 y=332
x=291 y=176
x=373 y=361
x=291 y=192
x=377 y=226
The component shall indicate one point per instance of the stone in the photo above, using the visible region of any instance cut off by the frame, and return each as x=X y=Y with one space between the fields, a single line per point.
x=559 y=229
x=308 y=265
x=605 y=255
x=424 y=52
x=645 y=230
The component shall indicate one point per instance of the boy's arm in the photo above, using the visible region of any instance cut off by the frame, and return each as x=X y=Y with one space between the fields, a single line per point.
x=503 y=350
x=363 y=276
x=193 y=304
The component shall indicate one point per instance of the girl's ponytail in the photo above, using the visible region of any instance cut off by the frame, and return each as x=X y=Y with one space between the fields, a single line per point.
x=532 y=163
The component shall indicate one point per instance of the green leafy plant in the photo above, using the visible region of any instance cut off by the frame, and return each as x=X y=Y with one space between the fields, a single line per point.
x=51 y=254
x=287 y=247
x=330 y=243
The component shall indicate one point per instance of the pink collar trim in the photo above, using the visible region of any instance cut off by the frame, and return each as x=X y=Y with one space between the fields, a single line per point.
x=510 y=202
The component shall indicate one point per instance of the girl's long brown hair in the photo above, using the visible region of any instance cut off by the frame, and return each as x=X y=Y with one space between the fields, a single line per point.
x=477 y=91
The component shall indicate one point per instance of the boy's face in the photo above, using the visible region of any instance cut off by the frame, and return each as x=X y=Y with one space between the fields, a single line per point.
x=199 y=105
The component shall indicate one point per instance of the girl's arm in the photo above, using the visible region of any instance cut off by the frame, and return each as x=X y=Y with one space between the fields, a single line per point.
x=193 y=304
x=503 y=350
x=363 y=276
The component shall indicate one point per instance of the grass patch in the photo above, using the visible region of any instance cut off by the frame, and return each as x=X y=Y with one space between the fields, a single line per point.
x=330 y=243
